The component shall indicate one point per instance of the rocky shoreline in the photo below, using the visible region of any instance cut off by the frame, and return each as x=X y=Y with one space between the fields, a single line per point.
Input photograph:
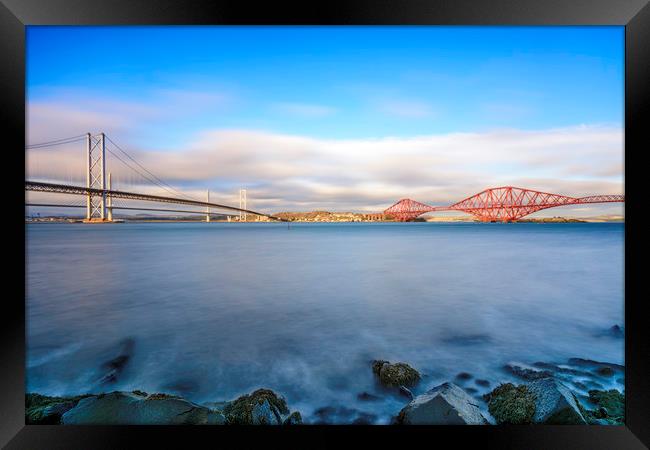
x=574 y=392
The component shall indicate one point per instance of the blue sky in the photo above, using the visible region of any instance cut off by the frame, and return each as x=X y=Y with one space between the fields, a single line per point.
x=169 y=89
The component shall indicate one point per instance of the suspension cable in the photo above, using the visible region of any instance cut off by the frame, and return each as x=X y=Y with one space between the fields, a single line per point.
x=160 y=182
x=55 y=142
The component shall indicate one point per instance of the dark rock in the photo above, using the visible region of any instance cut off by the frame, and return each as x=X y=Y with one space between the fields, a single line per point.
x=377 y=365
x=395 y=375
x=555 y=403
x=595 y=364
x=561 y=370
x=262 y=407
x=125 y=408
x=447 y=404
x=605 y=371
x=616 y=331
x=44 y=410
x=471 y=390
x=483 y=383
x=526 y=373
x=294 y=419
x=367 y=397
x=116 y=366
x=463 y=376
x=511 y=404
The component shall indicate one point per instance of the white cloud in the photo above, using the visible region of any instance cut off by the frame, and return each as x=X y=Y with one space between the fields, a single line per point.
x=291 y=172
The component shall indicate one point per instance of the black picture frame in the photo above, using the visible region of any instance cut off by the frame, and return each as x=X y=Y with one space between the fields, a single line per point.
x=633 y=14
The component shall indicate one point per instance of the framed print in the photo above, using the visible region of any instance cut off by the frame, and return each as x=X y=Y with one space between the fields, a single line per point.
x=391 y=219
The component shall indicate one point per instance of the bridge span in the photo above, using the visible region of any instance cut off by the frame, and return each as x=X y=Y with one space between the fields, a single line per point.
x=112 y=194
x=500 y=204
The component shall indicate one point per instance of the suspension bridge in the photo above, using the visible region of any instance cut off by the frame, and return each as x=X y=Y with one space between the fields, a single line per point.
x=100 y=198
x=500 y=204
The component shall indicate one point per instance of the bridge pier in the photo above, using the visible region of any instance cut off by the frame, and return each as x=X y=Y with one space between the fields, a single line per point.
x=109 y=201
x=207 y=208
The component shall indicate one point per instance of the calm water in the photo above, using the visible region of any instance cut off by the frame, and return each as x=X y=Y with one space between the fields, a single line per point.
x=217 y=310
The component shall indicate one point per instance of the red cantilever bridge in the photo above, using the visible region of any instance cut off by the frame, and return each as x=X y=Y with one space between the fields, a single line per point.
x=501 y=204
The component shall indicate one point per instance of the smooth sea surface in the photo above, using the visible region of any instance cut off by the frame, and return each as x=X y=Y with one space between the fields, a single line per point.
x=211 y=311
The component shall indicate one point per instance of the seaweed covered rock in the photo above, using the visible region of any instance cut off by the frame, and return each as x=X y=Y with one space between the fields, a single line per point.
x=447 y=404
x=262 y=407
x=510 y=404
x=377 y=365
x=555 y=403
x=609 y=407
x=128 y=408
x=395 y=375
x=41 y=409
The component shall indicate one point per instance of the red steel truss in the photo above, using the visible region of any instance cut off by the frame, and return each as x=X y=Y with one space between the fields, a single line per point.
x=501 y=204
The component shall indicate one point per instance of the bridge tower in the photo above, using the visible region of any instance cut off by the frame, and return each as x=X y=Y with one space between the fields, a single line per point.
x=242 y=204
x=96 y=177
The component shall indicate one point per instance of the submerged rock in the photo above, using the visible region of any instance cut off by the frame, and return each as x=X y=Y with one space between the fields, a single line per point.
x=526 y=373
x=555 y=403
x=615 y=331
x=262 y=407
x=605 y=371
x=483 y=383
x=116 y=366
x=510 y=404
x=395 y=375
x=44 y=410
x=126 y=408
x=589 y=363
x=368 y=397
x=447 y=404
